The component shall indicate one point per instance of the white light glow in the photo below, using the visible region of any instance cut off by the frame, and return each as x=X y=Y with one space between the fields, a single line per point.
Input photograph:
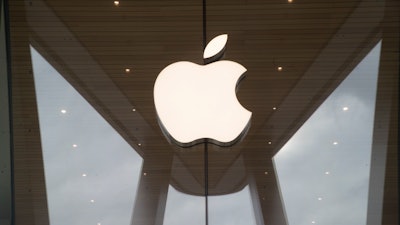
x=63 y=111
x=345 y=108
x=116 y=3
x=280 y=68
x=84 y=174
x=127 y=70
x=195 y=102
x=215 y=46
x=92 y=201
x=74 y=145
x=335 y=143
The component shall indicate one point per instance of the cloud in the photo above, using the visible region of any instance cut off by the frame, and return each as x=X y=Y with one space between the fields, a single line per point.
x=231 y=209
x=110 y=165
x=324 y=168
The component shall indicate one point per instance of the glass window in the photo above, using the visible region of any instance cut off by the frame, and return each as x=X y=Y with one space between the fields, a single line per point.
x=182 y=208
x=232 y=209
x=91 y=172
x=323 y=170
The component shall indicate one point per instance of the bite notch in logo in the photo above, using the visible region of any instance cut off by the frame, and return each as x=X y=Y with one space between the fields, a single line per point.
x=198 y=103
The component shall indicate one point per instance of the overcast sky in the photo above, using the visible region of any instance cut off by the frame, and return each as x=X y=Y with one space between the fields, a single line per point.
x=324 y=168
x=104 y=168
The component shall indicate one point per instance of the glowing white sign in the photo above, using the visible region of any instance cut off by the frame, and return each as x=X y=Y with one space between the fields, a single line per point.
x=195 y=102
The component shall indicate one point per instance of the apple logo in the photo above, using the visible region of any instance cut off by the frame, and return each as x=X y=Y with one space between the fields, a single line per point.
x=198 y=103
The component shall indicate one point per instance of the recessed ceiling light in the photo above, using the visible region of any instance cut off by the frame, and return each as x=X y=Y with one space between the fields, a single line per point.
x=92 y=201
x=84 y=174
x=335 y=143
x=74 y=145
x=290 y=1
x=266 y=172
x=63 y=111
x=133 y=110
x=327 y=173
x=140 y=144
x=319 y=199
x=98 y=223
x=127 y=70
x=116 y=3
x=345 y=108
x=144 y=174
x=273 y=108
x=280 y=68
x=269 y=142
x=313 y=221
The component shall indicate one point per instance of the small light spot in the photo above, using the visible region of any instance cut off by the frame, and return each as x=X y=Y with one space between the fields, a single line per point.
x=84 y=174
x=98 y=223
x=127 y=70
x=290 y=1
x=116 y=3
x=345 y=108
x=266 y=172
x=140 y=144
x=92 y=200
x=273 y=108
x=74 y=145
x=313 y=222
x=269 y=142
x=319 y=199
x=63 y=111
x=335 y=143
x=327 y=173
x=133 y=110
x=280 y=68
x=144 y=174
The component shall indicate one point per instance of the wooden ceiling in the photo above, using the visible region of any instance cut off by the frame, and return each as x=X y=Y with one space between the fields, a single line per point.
x=91 y=43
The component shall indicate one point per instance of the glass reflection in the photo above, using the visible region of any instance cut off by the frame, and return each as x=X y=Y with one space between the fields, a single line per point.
x=91 y=172
x=184 y=209
x=232 y=209
x=323 y=170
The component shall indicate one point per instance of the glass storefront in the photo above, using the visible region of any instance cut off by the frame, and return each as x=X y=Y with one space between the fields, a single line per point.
x=87 y=146
x=89 y=167
x=328 y=159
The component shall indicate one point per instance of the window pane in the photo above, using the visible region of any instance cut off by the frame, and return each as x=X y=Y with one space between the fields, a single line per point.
x=232 y=209
x=184 y=209
x=91 y=172
x=323 y=170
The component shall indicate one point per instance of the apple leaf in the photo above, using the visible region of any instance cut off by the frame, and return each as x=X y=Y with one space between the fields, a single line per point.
x=215 y=46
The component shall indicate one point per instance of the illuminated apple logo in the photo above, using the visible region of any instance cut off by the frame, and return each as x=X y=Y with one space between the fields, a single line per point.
x=197 y=103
